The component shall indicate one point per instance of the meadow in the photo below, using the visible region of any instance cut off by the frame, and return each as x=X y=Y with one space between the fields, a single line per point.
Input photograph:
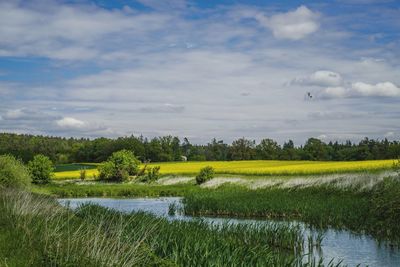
x=250 y=168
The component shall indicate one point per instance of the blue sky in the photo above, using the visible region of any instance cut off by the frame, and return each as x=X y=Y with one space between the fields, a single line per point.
x=201 y=69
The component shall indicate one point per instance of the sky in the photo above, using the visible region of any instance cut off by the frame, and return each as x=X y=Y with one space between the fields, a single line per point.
x=201 y=69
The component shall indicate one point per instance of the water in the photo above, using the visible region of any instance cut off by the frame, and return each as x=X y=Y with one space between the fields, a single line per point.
x=352 y=249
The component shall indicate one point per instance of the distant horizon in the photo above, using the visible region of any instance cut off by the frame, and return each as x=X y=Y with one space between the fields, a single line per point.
x=292 y=69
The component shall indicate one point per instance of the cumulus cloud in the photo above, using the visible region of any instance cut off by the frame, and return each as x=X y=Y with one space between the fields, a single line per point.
x=293 y=25
x=320 y=78
x=361 y=89
x=70 y=123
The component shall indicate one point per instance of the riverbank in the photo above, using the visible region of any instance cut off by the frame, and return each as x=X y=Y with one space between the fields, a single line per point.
x=95 y=236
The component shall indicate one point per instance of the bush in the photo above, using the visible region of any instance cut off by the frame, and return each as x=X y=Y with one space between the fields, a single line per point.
x=13 y=173
x=41 y=169
x=119 y=166
x=152 y=174
x=206 y=173
x=82 y=174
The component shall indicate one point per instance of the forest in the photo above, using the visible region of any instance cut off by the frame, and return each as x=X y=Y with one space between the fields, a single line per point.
x=171 y=148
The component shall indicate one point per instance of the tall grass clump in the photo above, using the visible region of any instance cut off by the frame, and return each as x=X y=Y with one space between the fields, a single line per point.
x=59 y=238
x=13 y=173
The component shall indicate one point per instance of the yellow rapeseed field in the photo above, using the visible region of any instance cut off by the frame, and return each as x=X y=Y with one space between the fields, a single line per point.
x=256 y=167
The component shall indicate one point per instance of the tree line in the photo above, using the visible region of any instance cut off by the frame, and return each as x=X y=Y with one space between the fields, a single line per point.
x=171 y=148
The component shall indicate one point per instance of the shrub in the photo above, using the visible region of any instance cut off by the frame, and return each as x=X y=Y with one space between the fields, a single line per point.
x=152 y=174
x=13 y=173
x=206 y=173
x=82 y=174
x=41 y=169
x=119 y=166
x=396 y=166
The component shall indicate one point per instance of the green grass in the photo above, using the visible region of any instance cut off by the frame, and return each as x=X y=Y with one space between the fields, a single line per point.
x=375 y=210
x=96 y=236
x=115 y=190
x=75 y=167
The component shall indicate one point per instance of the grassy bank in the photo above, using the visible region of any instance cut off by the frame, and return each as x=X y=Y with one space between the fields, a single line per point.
x=375 y=210
x=39 y=232
x=253 y=168
x=115 y=190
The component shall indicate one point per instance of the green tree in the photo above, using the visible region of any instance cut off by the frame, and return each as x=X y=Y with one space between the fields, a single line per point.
x=41 y=169
x=242 y=149
x=315 y=149
x=268 y=149
x=13 y=173
x=119 y=166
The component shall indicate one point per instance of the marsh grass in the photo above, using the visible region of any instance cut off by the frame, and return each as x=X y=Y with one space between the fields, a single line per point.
x=374 y=210
x=96 y=236
x=59 y=238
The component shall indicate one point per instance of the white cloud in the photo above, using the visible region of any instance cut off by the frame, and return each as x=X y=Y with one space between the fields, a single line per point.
x=27 y=114
x=69 y=32
x=320 y=78
x=70 y=123
x=361 y=89
x=293 y=25
x=387 y=89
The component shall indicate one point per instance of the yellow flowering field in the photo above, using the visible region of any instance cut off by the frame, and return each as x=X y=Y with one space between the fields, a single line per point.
x=256 y=167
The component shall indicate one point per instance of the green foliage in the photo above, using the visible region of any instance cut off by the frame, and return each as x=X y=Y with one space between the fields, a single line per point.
x=396 y=167
x=41 y=169
x=169 y=148
x=119 y=166
x=82 y=174
x=205 y=174
x=151 y=174
x=13 y=173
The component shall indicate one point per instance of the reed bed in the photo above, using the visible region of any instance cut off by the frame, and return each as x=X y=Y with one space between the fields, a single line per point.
x=56 y=237
x=375 y=210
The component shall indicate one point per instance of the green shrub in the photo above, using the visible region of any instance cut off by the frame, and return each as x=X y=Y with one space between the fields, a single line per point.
x=151 y=174
x=82 y=174
x=396 y=166
x=119 y=166
x=206 y=173
x=41 y=169
x=13 y=173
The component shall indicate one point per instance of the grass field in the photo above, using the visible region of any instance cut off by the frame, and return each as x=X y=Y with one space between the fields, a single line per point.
x=254 y=167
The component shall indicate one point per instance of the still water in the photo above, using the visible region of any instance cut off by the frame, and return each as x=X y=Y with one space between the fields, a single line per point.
x=352 y=249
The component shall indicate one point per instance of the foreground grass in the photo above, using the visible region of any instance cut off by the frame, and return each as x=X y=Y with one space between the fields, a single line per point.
x=254 y=167
x=374 y=210
x=38 y=232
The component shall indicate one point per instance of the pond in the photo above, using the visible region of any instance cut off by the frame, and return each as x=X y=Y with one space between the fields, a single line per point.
x=352 y=249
